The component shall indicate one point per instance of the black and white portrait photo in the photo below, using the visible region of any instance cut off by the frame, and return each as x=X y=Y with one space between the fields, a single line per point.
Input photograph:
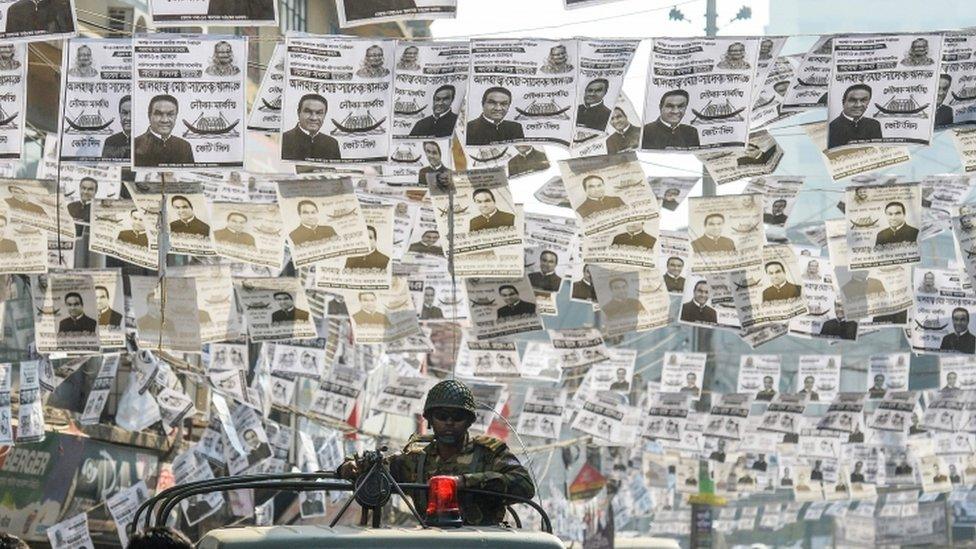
x=235 y=231
x=668 y=131
x=82 y=66
x=488 y=216
x=492 y=127
x=442 y=119
x=435 y=166
x=158 y=146
x=592 y=113
x=309 y=231
x=513 y=304
x=287 y=312
x=625 y=136
x=853 y=126
x=305 y=141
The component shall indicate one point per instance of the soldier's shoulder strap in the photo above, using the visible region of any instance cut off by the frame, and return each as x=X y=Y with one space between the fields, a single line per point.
x=417 y=443
x=489 y=443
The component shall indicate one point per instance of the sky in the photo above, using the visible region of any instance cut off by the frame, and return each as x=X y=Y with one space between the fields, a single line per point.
x=623 y=19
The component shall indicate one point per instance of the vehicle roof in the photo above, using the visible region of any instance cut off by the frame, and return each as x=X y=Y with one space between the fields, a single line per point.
x=297 y=537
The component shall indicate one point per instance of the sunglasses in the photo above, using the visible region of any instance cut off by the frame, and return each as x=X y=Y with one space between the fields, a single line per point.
x=449 y=415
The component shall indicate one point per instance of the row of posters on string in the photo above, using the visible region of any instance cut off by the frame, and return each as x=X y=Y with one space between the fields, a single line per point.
x=177 y=102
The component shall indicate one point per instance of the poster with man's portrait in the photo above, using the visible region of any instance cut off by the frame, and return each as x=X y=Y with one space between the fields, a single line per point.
x=29 y=21
x=369 y=271
x=96 y=105
x=166 y=313
x=524 y=92
x=818 y=377
x=355 y=13
x=779 y=195
x=759 y=374
x=436 y=300
x=34 y=203
x=887 y=372
x=943 y=304
x=771 y=292
x=964 y=231
x=182 y=13
x=954 y=94
x=683 y=373
x=488 y=217
x=708 y=301
x=337 y=99
x=634 y=245
x=325 y=219
x=404 y=395
x=248 y=232
x=188 y=223
x=853 y=161
x=64 y=313
x=883 y=89
x=699 y=93
x=825 y=317
x=125 y=231
x=382 y=316
x=608 y=192
x=492 y=360
x=874 y=292
x=502 y=307
x=265 y=114
x=672 y=191
x=631 y=300
x=726 y=232
x=674 y=255
x=109 y=305
x=216 y=309
x=80 y=185
x=957 y=372
x=13 y=99
x=542 y=412
x=602 y=67
x=883 y=225
x=188 y=101
x=430 y=84
x=274 y=308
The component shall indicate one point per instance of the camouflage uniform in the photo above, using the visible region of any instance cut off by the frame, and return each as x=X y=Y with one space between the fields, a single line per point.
x=485 y=463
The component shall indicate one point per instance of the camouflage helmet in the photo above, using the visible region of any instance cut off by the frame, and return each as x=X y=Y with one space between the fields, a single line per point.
x=449 y=393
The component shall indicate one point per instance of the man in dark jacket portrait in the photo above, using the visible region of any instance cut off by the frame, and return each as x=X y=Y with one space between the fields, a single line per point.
x=305 y=141
x=491 y=127
x=158 y=146
x=852 y=126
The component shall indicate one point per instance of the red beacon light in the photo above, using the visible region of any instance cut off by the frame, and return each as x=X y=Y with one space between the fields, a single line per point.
x=442 y=502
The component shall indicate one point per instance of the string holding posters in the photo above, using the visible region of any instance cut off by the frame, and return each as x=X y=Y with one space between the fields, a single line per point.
x=330 y=220
x=699 y=93
x=521 y=91
x=602 y=67
x=726 y=232
x=191 y=88
x=265 y=114
x=883 y=225
x=608 y=192
x=338 y=99
x=883 y=89
x=182 y=13
x=354 y=13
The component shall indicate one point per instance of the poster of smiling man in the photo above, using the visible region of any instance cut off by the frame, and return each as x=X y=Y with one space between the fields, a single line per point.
x=883 y=225
x=484 y=212
x=329 y=221
x=501 y=307
x=430 y=84
x=602 y=66
x=699 y=93
x=182 y=13
x=883 y=89
x=521 y=91
x=770 y=293
x=13 y=98
x=608 y=192
x=64 y=313
x=631 y=301
x=955 y=100
x=726 y=232
x=188 y=102
x=338 y=100
x=274 y=308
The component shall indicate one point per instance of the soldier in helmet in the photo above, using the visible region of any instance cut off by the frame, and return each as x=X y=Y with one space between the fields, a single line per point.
x=480 y=462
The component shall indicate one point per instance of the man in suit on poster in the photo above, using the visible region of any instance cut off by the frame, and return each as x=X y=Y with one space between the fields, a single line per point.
x=625 y=136
x=158 y=146
x=306 y=141
x=780 y=288
x=852 y=126
x=897 y=232
x=118 y=145
x=287 y=312
x=592 y=113
x=442 y=120
x=490 y=217
x=374 y=259
x=80 y=209
x=491 y=127
x=667 y=132
x=234 y=233
x=960 y=340
x=713 y=241
x=77 y=321
x=107 y=316
x=434 y=165
x=309 y=231
x=697 y=310
x=514 y=306
x=186 y=223
x=596 y=198
x=136 y=233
